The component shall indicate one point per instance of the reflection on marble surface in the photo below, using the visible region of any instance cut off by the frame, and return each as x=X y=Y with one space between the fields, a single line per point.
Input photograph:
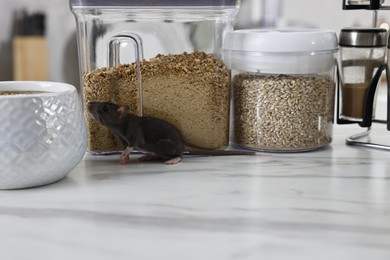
x=329 y=204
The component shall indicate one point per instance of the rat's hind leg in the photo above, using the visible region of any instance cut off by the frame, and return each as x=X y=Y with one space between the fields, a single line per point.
x=148 y=157
x=165 y=149
x=173 y=160
x=169 y=150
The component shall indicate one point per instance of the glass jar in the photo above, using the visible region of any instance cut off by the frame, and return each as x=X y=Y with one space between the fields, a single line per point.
x=283 y=88
x=362 y=52
x=163 y=59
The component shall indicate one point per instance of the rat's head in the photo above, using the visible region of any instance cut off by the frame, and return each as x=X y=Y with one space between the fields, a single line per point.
x=107 y=113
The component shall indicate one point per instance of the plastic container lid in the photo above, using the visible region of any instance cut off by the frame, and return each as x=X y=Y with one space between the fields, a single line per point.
x=287 y=40
x=287 y=51
x=154 y=3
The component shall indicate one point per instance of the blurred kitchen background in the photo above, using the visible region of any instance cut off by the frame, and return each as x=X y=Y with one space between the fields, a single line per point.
x=59 y=38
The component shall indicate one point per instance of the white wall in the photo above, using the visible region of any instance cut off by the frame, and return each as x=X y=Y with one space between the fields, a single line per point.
x=327 y=14
x=61 y=27
x=60 y=30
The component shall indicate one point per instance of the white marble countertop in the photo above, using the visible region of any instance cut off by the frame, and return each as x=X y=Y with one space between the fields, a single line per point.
x=329 y=204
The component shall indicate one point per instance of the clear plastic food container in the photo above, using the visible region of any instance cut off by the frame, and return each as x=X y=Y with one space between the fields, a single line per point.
x=283 y=87
x=163 y=59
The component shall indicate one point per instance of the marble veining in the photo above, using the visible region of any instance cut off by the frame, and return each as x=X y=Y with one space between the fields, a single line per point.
x=333 y=203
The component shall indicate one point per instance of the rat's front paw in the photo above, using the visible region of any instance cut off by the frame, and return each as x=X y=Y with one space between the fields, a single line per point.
x=125 y=156
x=124 y=159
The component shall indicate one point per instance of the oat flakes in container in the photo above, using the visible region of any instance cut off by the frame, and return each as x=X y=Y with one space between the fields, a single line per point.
x=283 y=87
x=162 y=58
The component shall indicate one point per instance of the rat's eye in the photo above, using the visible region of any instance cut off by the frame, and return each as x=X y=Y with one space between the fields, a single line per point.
x=106 y=108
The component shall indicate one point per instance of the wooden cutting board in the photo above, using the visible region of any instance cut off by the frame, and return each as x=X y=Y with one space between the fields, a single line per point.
x=30 y=58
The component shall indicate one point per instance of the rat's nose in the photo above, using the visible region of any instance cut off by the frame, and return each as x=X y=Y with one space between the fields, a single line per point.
x=90 y=106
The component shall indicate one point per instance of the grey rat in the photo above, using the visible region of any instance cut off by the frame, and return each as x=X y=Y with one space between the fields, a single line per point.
x=147 y=133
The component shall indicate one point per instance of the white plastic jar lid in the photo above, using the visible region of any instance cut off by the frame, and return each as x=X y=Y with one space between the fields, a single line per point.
x=288 y=51
x=283 y=40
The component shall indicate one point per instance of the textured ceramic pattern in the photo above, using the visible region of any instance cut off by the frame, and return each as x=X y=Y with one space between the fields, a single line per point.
x=43 y=137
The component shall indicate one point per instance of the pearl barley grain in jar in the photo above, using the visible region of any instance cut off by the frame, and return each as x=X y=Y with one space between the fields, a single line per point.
x=282 y=88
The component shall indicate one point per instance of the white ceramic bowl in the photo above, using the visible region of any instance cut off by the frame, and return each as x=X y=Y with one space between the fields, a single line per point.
x=42 y=133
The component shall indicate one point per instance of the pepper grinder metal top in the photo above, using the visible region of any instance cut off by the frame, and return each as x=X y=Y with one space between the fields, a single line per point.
x=363 y=37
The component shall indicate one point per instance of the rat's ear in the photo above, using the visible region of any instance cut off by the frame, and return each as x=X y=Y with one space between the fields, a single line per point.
x=122 y=111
